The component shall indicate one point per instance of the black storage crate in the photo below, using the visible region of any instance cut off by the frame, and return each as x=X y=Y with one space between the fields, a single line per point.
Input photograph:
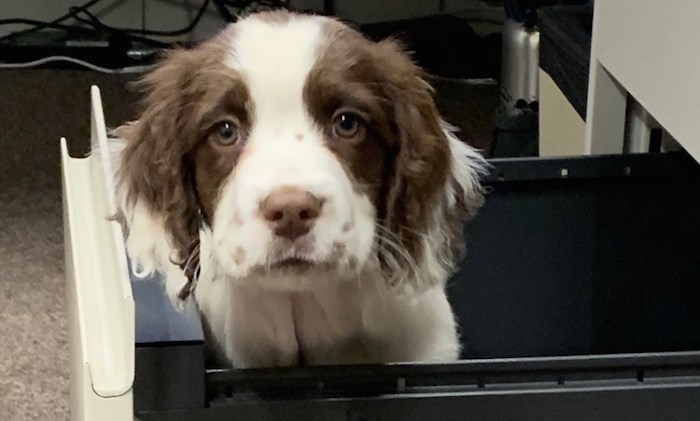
x=579 y=300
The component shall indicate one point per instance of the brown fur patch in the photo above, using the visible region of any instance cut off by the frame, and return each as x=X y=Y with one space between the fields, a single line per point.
x=402 y=159
x=170 y=163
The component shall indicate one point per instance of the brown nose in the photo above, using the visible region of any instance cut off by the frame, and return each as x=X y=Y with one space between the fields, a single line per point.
x=291 y=213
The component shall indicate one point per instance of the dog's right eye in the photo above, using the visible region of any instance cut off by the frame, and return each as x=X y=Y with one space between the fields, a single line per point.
x=227 y=133
x=346 y=125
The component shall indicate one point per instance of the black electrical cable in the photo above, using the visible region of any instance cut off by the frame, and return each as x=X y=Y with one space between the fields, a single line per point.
x=95 y=21
x=95 y=24
x=220 y=6
x=38 y=26
x=44 y=25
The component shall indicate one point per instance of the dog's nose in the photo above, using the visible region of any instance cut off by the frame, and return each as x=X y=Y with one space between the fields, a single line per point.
x=291 y=213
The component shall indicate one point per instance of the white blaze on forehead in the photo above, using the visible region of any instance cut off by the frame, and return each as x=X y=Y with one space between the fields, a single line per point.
x=285 y=147
x=274 y=57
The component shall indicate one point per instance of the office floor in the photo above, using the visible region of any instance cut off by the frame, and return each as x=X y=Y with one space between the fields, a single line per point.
x=36 y=108
x=33 y=355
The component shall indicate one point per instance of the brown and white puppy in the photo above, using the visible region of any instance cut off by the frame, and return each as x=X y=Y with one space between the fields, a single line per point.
x=302 y=175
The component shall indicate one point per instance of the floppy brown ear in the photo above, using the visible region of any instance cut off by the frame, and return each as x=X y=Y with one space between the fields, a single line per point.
x=434 y=184
x=154 y=170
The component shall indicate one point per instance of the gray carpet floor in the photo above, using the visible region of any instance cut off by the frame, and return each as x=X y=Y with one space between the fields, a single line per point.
x=37 y=107
x=33 y=351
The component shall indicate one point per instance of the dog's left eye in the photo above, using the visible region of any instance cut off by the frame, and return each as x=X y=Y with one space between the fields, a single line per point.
x=227 y=133
x=346 y=125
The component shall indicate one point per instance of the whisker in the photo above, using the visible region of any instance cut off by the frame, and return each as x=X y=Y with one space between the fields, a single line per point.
x=193 y=254
x=412 y=230
x=385 y=245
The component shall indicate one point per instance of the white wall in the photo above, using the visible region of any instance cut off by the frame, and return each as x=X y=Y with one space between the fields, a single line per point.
x=172 y=14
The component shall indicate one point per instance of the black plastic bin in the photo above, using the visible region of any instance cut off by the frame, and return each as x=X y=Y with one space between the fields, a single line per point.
x=579 y=300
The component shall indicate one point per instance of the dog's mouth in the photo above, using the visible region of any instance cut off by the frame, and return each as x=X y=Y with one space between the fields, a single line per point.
x=293 y=263
x=289 y=265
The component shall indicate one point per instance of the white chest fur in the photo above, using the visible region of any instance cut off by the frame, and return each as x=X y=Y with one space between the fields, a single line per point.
x=346 y=322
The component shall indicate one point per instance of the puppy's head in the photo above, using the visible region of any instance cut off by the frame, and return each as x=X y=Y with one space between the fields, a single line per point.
x=309 y=151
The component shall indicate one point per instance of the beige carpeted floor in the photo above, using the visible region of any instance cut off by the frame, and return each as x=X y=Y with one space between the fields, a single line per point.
x=37 y=107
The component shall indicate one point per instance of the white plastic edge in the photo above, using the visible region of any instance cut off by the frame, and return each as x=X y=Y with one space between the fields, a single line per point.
x=105 y=305
x=99 y=143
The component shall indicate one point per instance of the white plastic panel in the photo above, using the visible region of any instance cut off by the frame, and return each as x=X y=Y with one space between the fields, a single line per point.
x=101 y=308
x=652 y=50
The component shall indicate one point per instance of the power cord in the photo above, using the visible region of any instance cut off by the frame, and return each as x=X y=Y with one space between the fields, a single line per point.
x=83 y=15
x=81 y=30
x=117 y=36
x=73 y=60
x=95 y=26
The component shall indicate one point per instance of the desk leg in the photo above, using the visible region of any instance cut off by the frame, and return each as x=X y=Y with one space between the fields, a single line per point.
x=606 y=111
